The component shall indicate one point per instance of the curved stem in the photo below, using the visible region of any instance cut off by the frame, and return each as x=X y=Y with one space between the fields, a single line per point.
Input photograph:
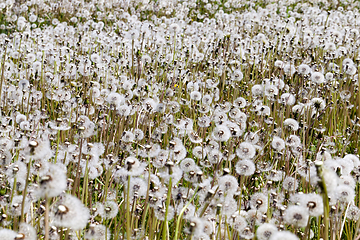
x=165 y=224
x=128 y=230
x=182 y=212
x=47 y=201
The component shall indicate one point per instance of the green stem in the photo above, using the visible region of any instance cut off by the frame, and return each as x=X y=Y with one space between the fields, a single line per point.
x=108 y=174
x=47 y=203
x=57 y=145
x=181 y=213
x=165 y=225
x=128 y=230
x=146 y=200
x=2 y=72
x=24 y=192
x=85 y=183
x=319 y=171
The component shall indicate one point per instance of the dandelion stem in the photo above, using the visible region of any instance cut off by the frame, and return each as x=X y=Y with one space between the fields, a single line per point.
x=108 y=174
x=128 y=230
x=2 y=72
x=57 y=145
x=181 y=213
x=325 y=198
x=77 y=178
x=25 y=191
x=85 y=182
x=47 y=202
x=165 y=224
x=146 y=205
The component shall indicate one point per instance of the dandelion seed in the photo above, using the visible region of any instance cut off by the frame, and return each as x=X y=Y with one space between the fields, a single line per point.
x=160 y=213
x=195 y=95
x=219 y=117
x=14 y=208
x=53 y=183
x=194 y=137
x=111 y=208
x=344 y=193
x=245 y=167
x=240 y=102
x=257 y=90
x=304 y=69
x=207 y=99
x=245 y=151
x=97 y=232
x=284 y=235
x=292 y=124
x=259 y=202
x=199 y=152
x=247 y=233
x=265 y=231
x=237 y=75
x=271 y=91
x=346 y=166
x=238 y=222
x=279 y=64
x=317 y=77
x=290 y=184
x=208 y=227
x=7 y=234
x=297 y=216
x=289 y=69
x=188 y=164
x=228 y=184
x=353 y=213
x=287 y=99
x=278 y=144
x=318 y=103
x=314 y=203
x=69 y=212
x=26 y=232
x=275 y=175
x=347 y=180
x=98 y=209
x=214 y=156
x=221 y=133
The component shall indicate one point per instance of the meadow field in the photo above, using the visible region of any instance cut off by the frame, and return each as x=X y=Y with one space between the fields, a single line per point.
x=179 y=119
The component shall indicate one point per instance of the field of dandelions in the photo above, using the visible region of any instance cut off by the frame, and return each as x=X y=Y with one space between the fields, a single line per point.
x=175 y=119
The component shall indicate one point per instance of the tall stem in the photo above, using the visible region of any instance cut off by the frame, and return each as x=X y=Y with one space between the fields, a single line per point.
x=47 y=201
x=2 y=72
x=319 y=171
x=77 y=179
x=24 y=192
x=128 y=230
x=165 y=225
x=181 y=213
x=57 y=145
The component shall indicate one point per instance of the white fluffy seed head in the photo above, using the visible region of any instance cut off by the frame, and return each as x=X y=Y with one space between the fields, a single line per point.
x=245 y=151
x=297 y=216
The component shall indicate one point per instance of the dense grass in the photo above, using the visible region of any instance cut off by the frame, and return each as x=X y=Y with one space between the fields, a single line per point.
x=179 y=120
